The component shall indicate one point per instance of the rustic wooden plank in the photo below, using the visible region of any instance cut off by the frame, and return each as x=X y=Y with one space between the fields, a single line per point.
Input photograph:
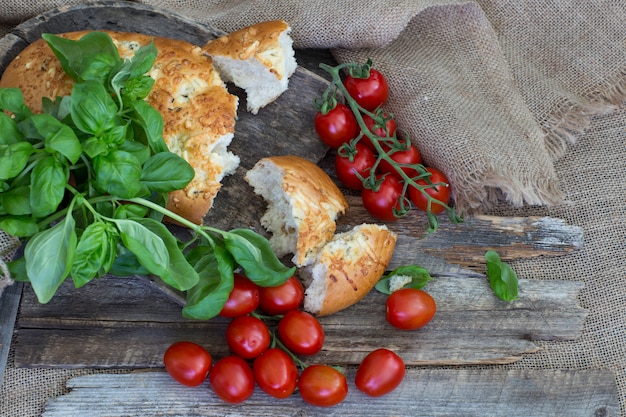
x=115 y=322
x=9 y=303
x=492 y=392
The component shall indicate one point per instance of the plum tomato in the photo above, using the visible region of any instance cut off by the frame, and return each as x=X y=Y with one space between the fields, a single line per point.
x=409 y=156
x=381 y=203
x=384 y=132
x=232 y=379
x=337 y=126
x=248 y=336
x=282 y=298
x=243 y=299
x=301 y=332
x=371 y=92
x=380 y=372
x=322 y=386
x=275 y=373
x=363 y=159
x=410 y=308
x=188 y=363
x=440 y=192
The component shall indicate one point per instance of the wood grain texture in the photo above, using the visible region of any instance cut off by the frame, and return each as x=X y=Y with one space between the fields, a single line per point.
x=442 y=393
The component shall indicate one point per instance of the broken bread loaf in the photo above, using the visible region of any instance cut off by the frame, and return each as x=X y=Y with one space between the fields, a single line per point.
x=259 y=59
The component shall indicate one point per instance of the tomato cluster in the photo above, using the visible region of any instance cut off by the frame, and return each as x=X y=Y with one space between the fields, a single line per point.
x=270 y=358
x=371 y=157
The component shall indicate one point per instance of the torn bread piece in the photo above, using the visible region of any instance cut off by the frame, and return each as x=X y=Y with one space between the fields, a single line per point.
x=347 y=268
x=303 y=204
x=198 y=112
x=259 y=59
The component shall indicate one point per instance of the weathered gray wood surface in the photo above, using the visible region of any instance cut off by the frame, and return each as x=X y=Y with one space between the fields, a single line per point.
x=9 y=303
x=442 y=393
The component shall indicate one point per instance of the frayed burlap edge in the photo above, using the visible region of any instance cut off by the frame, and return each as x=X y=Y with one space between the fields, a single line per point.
x=572 y=119
x=8 y=246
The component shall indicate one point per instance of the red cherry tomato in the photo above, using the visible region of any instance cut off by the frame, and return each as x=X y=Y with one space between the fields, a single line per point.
x=275 y=373
x=232 y=379
x=440 y=192
x=380 y=372
x=362 y=162
x=379 y=131
x=322 y=386
x=381 y=203
x=410 y=156
x=370 y=92
x=336 y=127
x=247 y=336
x=282 y=298
x=301 y=332
x=410 y=308
x=188 y=363
x=243 y=299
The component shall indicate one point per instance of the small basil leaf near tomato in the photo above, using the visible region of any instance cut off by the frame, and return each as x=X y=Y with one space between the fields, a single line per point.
x=301 y=332
x=410 y=308
x=275 y=373
x=371 y=92
x=337 y=126
x=359 y=161
x=243 y=298
x=322 y=386
x=380 y=372
x=439 y=192
x=232 y=379
x=381 y=203
x=247 y=336
x=188 y=363
x=282 y=298
x=409 y=156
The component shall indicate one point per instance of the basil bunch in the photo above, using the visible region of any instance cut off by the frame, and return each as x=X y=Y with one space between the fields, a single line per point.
x=85 y=185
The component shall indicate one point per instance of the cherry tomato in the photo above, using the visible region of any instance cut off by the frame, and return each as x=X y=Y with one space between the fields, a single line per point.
x=336 y=127
x=283 y=298
x=322 y=385
x=232 y=379
x=188 y=363
x=410 y=308
x=247 y=336
x=275 y=373
x=381 y=203
x=380 y=372
x=409 y=156
x=379 y=131
x=243 y=299
x=440 y=193
x=370 y=92
x=301 y=332
x=362 y=162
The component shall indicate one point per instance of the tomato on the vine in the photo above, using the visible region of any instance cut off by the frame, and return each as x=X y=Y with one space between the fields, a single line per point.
x=410 y=308
x=371 y=92
x=337 y=126
x=243 y=299
x=232 y=379
x=363 y=159
x=301 y=332
x=409 y=156
x=275 y=373
x=381 y=203
x=383 y=132
x=188 y=363
x=322 y=385
x=439 y=192
x=380 y=372
x=248 y=336
x=282 y=298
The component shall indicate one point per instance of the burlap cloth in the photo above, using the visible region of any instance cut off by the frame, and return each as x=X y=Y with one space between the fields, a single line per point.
x=520 y=102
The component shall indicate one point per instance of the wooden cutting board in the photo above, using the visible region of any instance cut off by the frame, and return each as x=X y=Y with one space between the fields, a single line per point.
x=129 y=322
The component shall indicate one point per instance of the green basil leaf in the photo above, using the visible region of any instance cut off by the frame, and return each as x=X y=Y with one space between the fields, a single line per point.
x=17 y=268
x=137 y=89
x=60 y=108
x=165 y=172
x=118 y=173
x=9 y=132
x=502 y=279
x=132 y=70
x=48 y=180
x=151 y=123
x=49 y=256
x=58 y=136
x=12 y=100
x=93 y=109
x=19 y=226
x=126 y=265
x=94 y=146
x=138 y=149
x=16 y=201
x=417 y=278
x=13 y=159
x=254 y=254
x=130 y=211
x=95 y=253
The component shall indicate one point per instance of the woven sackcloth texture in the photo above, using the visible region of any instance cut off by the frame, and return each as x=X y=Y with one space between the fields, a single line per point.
x=520 y=102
